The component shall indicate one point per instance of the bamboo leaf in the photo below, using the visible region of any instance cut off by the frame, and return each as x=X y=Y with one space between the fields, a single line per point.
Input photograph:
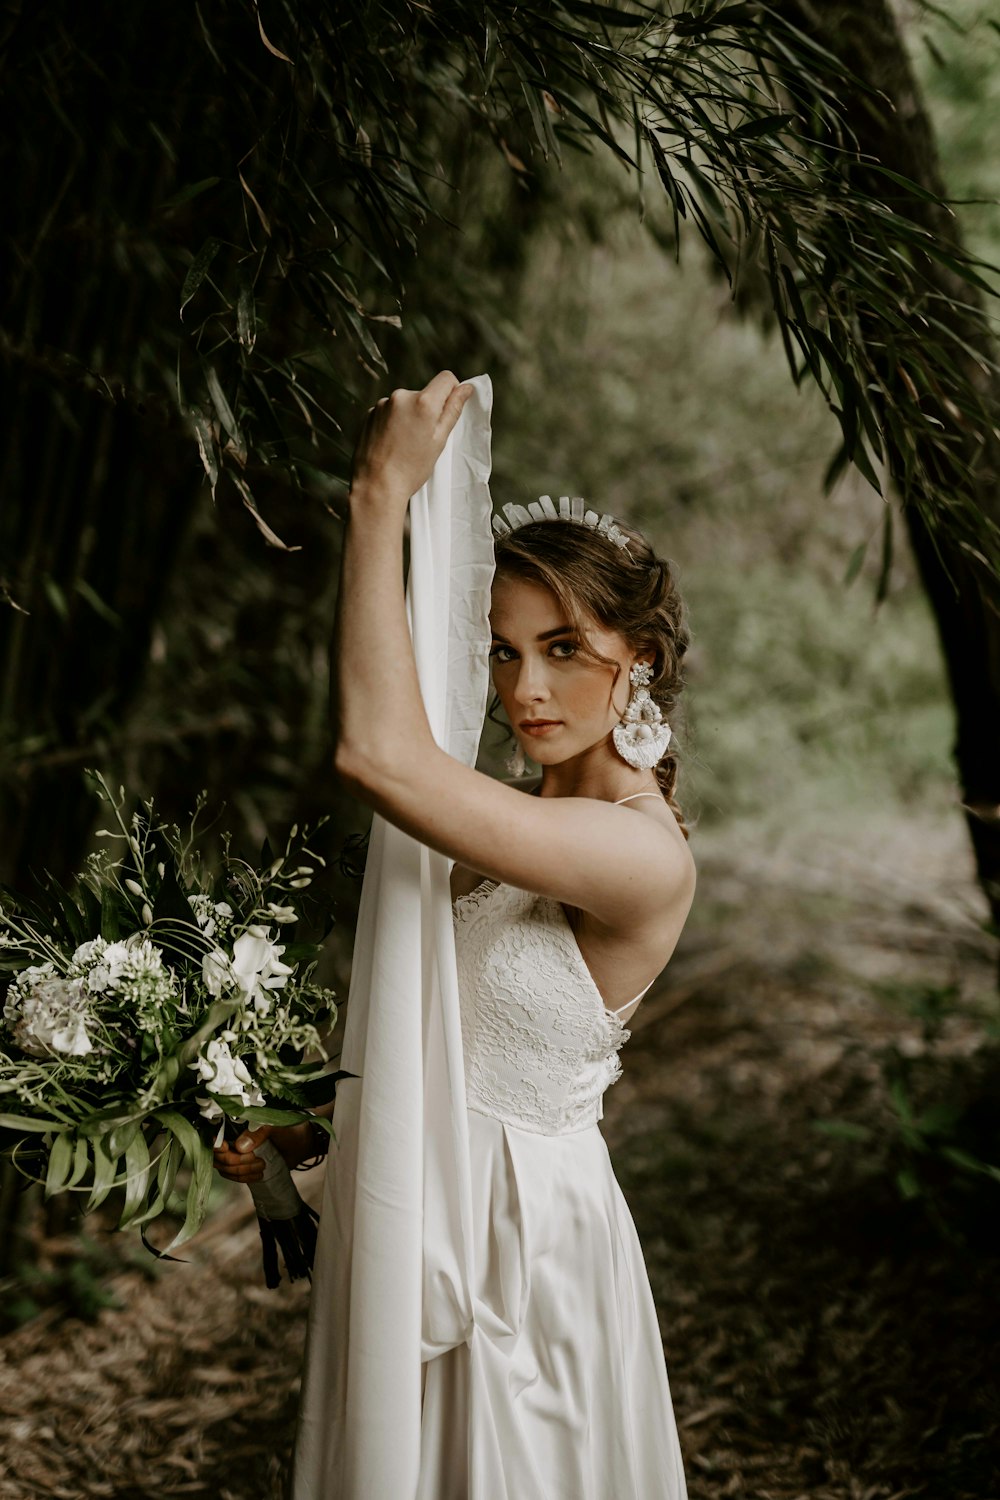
x=271 y=537
x=206 y=446
x=222 y=407
x=185 y=194
x=246 y=317
x=198 y=270
x=97 y=604
x=854 y=562
x=765 y=125
x=274 y=51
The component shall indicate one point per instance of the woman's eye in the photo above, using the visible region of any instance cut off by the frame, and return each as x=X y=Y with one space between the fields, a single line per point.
x=496 y=650
x=567 y=646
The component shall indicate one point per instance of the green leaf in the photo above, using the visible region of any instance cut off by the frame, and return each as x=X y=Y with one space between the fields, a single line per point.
x=105 y=1172
x=56 y=596
x=171 y=903
x=80 y=1163
x=854 y=562
x=838 y=463
x=110 y=923
x=97 y=604
x=885 y=570
x=206 y=446
x=246 y=317
x=185 y=194
x=137 y=1171
x=766 y=125
x=167 y=1164
x=224 y=410
x=59 y=1164
x=30 y=1126
x=321 y=1090
x=258 y=1114
x=198 y=270
x=198 y=1155
x=120 y=1137
x=908 y=1183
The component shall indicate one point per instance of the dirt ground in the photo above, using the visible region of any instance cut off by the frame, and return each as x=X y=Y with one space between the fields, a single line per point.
x=824 y=1337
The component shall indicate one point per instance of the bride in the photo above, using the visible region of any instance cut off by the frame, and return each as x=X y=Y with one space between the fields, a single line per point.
x=567 y=905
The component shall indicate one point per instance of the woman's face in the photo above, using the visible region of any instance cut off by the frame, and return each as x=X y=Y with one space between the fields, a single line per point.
x=558 y=701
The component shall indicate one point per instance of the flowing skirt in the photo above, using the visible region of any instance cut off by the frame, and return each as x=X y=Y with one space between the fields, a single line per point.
x=559 y=1391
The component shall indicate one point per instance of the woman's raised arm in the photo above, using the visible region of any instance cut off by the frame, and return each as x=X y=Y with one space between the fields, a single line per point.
x=578 y=850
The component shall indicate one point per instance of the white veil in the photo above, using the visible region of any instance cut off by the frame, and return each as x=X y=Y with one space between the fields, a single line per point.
x=391 y=1284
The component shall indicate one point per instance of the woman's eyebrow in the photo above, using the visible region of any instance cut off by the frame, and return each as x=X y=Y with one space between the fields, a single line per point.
x=546 y=635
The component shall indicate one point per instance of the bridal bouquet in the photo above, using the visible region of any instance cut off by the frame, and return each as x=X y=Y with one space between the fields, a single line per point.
x=152 y=1011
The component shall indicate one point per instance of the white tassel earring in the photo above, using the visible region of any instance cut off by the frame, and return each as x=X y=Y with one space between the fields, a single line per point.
x=515 y=761
x=642 y=736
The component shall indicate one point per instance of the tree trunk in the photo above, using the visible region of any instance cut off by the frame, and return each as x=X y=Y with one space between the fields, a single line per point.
x=892 y=125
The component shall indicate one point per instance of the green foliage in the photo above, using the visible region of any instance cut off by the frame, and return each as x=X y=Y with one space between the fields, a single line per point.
x=955 y=51
x=97 y=1046
x=293 y=190
x=806 y=699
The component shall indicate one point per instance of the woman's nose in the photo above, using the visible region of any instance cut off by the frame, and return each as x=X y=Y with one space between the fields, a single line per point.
x=530 y=686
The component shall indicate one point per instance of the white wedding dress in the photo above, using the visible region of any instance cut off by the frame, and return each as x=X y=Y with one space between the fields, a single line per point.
x=481 y=1325
x=561 y=1392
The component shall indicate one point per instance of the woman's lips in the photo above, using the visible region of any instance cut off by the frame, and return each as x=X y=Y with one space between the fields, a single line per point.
x=540 y=726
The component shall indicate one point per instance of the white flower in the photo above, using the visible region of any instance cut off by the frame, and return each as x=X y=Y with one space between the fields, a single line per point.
x=88 y=951
x=111 y=961
x=257 y=967
x=201 y=905
x=206 y=912
x=72 y=1039
x=282 y=913
x=216 y=1065
x=48 y=1013
x=216 y=971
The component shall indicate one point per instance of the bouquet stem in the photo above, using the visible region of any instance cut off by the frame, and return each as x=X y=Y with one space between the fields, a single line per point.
x=286 y=1222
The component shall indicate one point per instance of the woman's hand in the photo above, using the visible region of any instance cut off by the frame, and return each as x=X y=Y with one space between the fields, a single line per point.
x=403 y=438
x=235 y=1160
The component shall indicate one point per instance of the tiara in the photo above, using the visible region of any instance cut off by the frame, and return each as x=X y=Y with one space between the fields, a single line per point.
x=543 y=509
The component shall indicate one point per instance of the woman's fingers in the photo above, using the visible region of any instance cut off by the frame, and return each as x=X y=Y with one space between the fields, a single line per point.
x=251 y=1139
x=238 y=1166
x=447 y=395
x=454 y=404
x=404 y=434
x=236 y=1160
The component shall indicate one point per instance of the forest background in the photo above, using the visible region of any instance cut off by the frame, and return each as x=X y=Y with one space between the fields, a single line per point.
x=168 y=593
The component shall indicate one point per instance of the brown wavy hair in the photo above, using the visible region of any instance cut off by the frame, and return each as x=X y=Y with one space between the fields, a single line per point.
x=633 y=592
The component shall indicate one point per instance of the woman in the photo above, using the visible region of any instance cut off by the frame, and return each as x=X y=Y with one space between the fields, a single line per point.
x=567 y=906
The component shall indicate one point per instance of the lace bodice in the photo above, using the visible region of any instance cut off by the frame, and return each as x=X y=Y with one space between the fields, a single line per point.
x=540 y=1046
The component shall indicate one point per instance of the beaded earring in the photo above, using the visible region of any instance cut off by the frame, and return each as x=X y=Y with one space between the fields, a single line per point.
x=515 y=762
x=642 y=736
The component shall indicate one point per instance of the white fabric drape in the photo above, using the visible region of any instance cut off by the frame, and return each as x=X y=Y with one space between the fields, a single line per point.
x=392 y=1281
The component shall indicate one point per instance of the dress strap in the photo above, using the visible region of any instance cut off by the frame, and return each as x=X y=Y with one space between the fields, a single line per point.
x=638 y=997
